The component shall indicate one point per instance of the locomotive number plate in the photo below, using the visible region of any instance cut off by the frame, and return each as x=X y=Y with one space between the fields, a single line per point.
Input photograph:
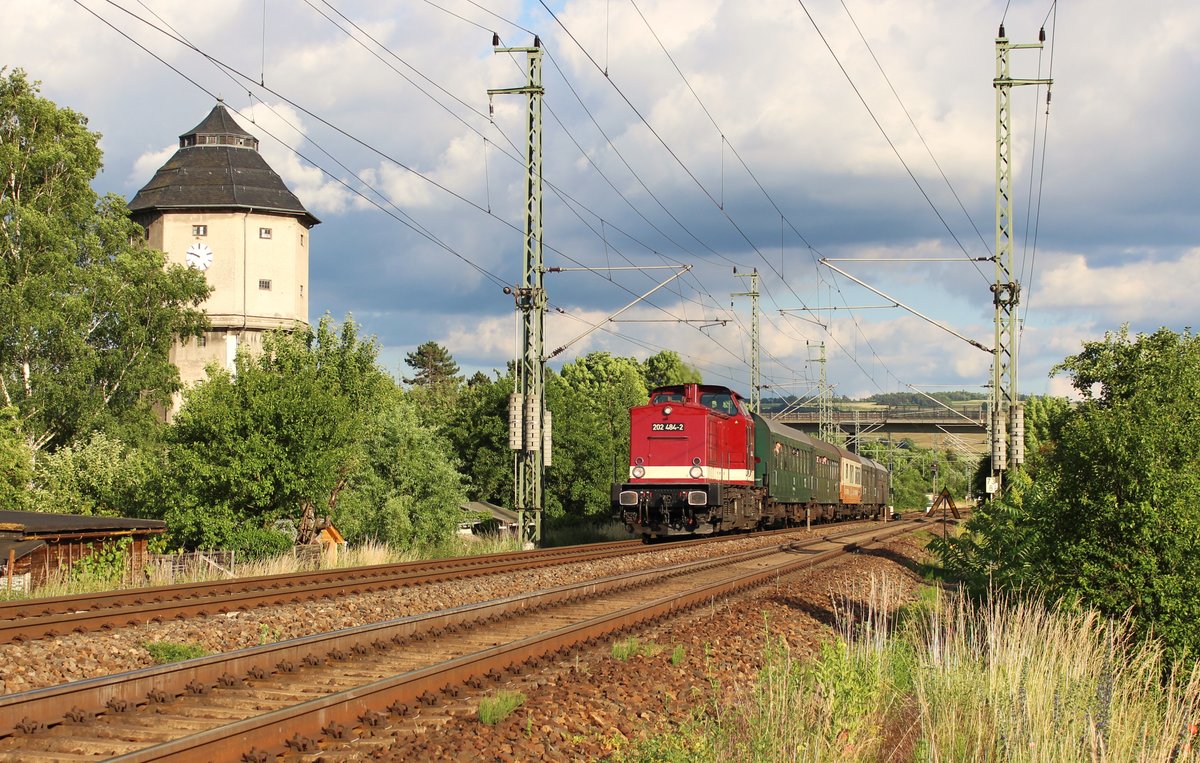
x=667 y=427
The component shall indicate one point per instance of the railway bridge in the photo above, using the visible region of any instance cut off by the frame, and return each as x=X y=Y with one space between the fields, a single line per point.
x=930 y=427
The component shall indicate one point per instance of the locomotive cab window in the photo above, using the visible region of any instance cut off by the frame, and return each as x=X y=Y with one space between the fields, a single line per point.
x=721 y=402
x=667 y=397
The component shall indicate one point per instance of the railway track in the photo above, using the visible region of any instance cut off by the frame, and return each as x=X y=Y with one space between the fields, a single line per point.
x=41 y=618
x=23 y=620
x=290 y=696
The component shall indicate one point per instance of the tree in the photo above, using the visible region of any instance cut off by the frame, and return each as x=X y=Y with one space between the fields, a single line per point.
x=1044 y=419
x=1122 y=523
x=602 y=389
x=666 y=368
x=281 y=439
x=434 y=365
x=410 y=490
x=98 y=475
x=477 y=431
x=16 y=464
x=1113 y=517
x=88 y=313
x=589 y=451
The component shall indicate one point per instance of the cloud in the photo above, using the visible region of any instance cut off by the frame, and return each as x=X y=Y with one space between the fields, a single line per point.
x=1144 y=289
x=795 y=167
x=148 y=163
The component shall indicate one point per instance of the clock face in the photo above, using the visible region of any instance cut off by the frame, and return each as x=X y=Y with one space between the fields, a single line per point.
x=199 y=256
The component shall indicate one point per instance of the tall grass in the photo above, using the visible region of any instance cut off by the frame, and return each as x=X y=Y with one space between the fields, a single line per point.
x=1017 y=680
x=949 y=680
x=831 y=707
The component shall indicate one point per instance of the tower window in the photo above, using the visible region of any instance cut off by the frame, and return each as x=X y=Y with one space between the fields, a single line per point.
x=202 y=340
x=264 y=284
x=264 y=232
x=199 y=230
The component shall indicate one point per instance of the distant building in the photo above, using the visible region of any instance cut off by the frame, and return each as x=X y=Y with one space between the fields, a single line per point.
x=216 y=206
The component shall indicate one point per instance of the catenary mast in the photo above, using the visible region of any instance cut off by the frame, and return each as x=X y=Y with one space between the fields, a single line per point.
x=528 y=430
x=1006 y=413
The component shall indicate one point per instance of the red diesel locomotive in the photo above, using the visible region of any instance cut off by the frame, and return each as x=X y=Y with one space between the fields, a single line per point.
x=700 y=462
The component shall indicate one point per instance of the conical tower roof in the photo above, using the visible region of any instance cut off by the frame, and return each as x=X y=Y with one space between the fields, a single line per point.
x=218 y=166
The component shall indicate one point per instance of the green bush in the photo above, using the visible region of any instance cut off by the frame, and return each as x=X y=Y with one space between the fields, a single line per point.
x=1112 y=512
x=106 y=564
x=253 y=543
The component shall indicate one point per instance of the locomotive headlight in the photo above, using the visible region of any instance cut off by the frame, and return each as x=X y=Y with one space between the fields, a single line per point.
x=639 y=472
x=696 y=472
x=667 y=410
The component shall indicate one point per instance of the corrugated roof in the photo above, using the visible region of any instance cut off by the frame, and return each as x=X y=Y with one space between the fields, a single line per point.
x=38 y=523
x=216 y=175
x=498 y=513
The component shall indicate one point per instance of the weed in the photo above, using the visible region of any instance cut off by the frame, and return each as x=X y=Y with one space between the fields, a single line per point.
x=677 y=656
x=492 y=710
x=268 y=635
x=163 y=652
x=631 y=647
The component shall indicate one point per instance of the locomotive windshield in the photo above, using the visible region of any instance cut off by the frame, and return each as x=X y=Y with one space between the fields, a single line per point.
x=666 y=397
x=719 y=401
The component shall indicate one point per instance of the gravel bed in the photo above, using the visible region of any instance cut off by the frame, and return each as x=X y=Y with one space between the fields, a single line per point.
x=591 y=704
x=74 y=656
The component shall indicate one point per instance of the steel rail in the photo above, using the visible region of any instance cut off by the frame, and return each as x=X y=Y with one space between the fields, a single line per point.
x=25 y=608
x=260 y=737
x=50 y=617
x=29 y=710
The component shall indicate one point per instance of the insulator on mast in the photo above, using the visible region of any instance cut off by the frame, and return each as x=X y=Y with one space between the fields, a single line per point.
x=547 y=439
x=533 y=420
x=998 y=440
x=1017 y=449
x=516 y=404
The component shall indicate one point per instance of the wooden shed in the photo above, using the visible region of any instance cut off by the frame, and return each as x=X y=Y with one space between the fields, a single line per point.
x=34 y=545
x=501 y=520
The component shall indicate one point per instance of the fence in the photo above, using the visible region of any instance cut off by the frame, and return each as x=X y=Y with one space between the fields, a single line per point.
x=164 y=569
x=191 y=565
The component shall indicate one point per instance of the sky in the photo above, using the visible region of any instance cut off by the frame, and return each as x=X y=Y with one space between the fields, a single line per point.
x=718 y=134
